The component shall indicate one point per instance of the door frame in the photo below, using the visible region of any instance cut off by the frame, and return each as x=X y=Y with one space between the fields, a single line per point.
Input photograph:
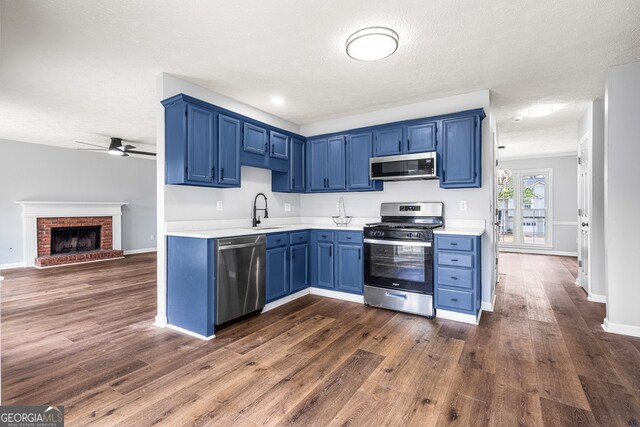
x=586 y=138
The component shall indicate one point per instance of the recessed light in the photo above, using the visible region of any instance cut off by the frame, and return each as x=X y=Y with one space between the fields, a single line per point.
x=371 y=44
x=542 y=110
x=516 y=119
x=277 y=100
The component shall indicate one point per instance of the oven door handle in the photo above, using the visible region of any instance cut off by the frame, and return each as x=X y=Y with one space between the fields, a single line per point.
x=397 y=243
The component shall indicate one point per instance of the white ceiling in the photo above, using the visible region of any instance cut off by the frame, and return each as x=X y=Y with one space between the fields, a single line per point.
x=76 y=69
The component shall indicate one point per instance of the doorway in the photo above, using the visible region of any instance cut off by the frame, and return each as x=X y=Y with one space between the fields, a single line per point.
x=584 y=195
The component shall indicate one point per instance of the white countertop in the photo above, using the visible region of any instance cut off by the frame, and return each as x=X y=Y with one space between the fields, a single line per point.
x=460 y=231
x=246 y=231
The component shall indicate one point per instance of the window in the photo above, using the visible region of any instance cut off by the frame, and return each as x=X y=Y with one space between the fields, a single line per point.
x=524 y=209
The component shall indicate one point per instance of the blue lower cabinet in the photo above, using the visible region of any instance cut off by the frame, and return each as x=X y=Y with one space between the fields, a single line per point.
x=349 y=268
x=457 y=273
x=277 y=273
x=299 y=267
x=324 y=265
x=191 y=284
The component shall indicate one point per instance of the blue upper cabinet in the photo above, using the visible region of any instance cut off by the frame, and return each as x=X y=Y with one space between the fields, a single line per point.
x=336 y=176
x=279 y=145
x=359 y=151
x=201 y=154
x=255 y=139
x=388 y=141
x=317 y=165
x=461 y=152
x=421 y=137
x=297 y=166
x=326 y=168
x=228 y=151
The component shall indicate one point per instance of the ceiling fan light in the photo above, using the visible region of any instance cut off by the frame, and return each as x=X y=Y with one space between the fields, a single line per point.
x=116 y=152
x=372 y=44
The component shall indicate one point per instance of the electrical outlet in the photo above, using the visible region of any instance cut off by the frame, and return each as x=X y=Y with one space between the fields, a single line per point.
x=219 y=205
x=287 y=207
x=463 y=205
x=152 y=237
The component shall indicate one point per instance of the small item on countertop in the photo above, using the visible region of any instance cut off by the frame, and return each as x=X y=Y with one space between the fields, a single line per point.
x=341 y=220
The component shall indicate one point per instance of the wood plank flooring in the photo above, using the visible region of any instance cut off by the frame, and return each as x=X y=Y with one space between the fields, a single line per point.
x=82 y=336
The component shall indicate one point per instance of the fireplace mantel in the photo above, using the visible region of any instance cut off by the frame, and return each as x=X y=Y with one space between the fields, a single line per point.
x=34 y=209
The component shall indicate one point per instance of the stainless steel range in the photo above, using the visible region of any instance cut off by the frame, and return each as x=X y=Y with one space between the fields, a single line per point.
x=398 y=257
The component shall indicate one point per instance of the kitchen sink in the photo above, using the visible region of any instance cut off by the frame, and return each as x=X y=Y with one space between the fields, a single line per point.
x=265 y=228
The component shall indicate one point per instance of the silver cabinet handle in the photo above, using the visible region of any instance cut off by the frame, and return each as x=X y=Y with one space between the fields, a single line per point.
x=391 y=294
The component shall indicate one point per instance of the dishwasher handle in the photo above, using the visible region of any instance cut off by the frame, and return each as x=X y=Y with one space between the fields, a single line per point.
x=240 y=246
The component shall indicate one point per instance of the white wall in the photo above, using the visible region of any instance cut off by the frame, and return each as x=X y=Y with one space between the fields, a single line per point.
x=622 y=204
x=182 y=203
x=41 y=172
x=591 y=126
x=565 y=198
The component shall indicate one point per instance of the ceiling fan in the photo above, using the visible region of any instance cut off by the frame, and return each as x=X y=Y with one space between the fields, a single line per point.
x=116 y=148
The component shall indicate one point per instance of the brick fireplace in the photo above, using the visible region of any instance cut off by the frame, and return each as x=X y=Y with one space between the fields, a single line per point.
x=59 y=233
x=70 y=253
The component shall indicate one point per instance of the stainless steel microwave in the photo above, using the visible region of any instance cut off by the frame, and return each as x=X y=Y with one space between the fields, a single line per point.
x=404 y=167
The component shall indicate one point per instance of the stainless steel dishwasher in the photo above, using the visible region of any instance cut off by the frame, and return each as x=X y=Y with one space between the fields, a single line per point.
x=240 y=276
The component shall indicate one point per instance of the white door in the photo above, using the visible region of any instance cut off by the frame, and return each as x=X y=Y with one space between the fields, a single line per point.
x=584 y=198
x=494 y=209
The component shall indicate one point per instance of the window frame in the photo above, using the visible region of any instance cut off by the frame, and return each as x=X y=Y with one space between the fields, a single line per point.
x=518 y=243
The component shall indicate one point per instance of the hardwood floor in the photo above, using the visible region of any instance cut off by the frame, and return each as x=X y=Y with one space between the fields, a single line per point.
x=82 y=337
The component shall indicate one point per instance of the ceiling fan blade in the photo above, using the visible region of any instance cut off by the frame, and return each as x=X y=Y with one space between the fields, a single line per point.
x=143 y=153
x=91 y=149
x=93 y=145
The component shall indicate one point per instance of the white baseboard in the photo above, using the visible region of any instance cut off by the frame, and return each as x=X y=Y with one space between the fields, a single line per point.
x=160 y=321
x=285 y=300
x=488 y=306
x=139 y=251
x=188 y=332
x=538 y=251
x=619 y=328
x=459 y=317
x=597 y=298
x=11 y=265
x=337 y=295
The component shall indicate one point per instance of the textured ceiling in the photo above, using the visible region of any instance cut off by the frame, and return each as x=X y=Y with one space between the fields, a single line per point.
x=76 y=69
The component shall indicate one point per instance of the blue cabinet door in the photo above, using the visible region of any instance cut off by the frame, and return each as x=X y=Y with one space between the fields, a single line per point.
x=324 y=265
x=228 y=151
x=388 y=141
x=336 y=165
x=255 y=139
x=279 y=145
x=201 y=153
x=317 y=172
x=349 y=268
x=299 y=267
x=460 y=153
x=421 y=137
x=359 y=149
x=297 y=166
x=277 y=273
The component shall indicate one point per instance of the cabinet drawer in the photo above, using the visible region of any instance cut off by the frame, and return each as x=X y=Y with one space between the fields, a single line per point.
x=349 y=237
x=455 y=277
x=454 y=300
x=298 y=237
x=455 y=243
x=325 y=236
x=276 y=240
x=455 y=259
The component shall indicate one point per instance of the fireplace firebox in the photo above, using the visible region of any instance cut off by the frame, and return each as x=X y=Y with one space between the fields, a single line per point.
x=75 y=239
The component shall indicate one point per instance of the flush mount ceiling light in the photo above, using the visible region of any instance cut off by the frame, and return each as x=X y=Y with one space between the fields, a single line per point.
x=277 y=100
x=371 y=44
x=542 y=110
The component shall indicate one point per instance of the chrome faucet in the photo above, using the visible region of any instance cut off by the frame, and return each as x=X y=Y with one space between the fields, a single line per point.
x=256 y=218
